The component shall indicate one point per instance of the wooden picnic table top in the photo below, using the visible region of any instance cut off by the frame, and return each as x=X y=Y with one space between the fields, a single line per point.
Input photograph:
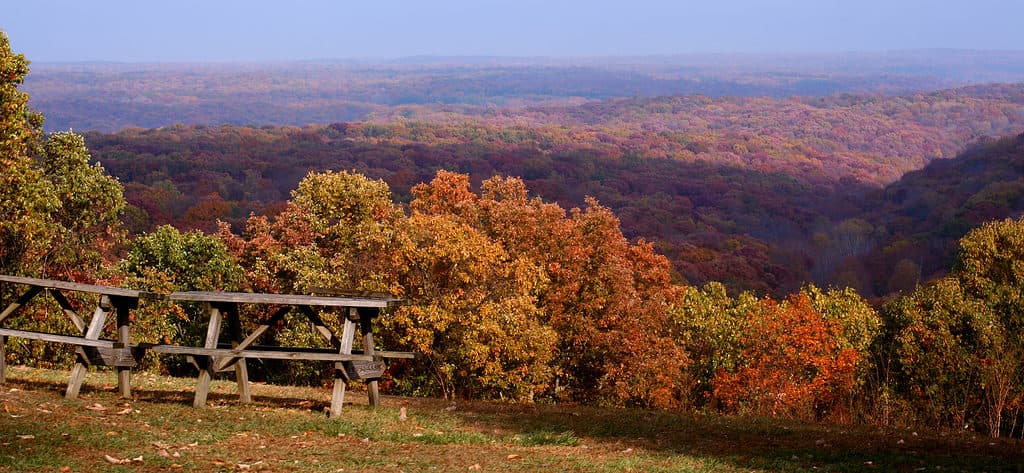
x=282 y=299
x=73 y=286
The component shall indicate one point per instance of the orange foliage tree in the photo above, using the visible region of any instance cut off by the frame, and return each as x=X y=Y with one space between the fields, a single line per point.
x=793 y=363
x=605 y=297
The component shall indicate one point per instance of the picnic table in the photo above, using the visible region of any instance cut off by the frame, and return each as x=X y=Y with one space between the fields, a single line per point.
x=349 y=364
x=215 y=355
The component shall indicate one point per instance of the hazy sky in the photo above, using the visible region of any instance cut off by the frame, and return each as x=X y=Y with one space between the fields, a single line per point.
x=257 y=30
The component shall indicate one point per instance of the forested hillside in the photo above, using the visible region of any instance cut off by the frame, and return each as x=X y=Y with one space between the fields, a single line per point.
x=758 y=193
x=913 y=224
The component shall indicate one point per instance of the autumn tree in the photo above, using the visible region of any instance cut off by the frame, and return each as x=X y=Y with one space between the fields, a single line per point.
x=26 y=197
x=793 y=363
x=711 y=327
x=958 y=340
x=472 y=312
x=605 y=297
x=59 y=214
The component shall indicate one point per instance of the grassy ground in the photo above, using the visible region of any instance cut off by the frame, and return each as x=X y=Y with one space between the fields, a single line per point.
x=285 y=429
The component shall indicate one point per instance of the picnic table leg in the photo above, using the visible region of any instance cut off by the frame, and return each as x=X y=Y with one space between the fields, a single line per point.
x=340 y=378
x=124 y=374
x=366 y=327
x=99 y=317
x=206 y=365
x=3 y=359
x=241 y=371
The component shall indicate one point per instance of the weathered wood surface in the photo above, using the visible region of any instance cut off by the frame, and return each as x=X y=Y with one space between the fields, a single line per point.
x=52 y=337
x=376 y=354
x=348 y=334
x=78 y=287
x=206 y=368
x=122 y=360
x=106 y=356
x=3 y=359
x=284 y=354
x=364 y=370
x=99 y=317
x=370 y=373
x=280 y=299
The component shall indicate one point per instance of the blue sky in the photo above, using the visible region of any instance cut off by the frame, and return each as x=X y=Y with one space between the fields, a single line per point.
x=257 y=30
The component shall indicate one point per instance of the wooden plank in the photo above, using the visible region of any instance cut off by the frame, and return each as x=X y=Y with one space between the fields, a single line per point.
x=365 y=370
x=73 y=286
x=3 y=359
x=106 y=356
x=124 y=369
x=274 y=348
x=372 y=391
x=242 y=377
x=335 y=292
x=52 y=337
x=283 y=354
x=256 y=351
x=347 y=337
x=206 y=372
x=241 y=370
x=280 y=299
x=99 y=317
x=24 y=299
x=392 y=354
x=68 y=310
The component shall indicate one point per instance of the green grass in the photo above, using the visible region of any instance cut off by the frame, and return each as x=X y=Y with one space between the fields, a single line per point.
x=285 y=429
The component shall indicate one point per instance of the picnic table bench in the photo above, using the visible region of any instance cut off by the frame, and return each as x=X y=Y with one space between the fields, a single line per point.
x=214 y=356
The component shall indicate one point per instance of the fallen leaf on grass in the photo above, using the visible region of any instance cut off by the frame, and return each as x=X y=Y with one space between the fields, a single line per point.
x=513 y=457
x=124 y=411
x=26 y=437
x=122 y=461
x=65 y=469
x=96 y=407
x=475 y=467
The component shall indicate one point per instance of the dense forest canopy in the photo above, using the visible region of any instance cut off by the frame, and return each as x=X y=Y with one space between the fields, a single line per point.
x=757 y=193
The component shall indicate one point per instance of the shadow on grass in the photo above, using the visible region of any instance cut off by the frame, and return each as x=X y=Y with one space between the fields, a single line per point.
x=749 y=442
x=740 y=442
